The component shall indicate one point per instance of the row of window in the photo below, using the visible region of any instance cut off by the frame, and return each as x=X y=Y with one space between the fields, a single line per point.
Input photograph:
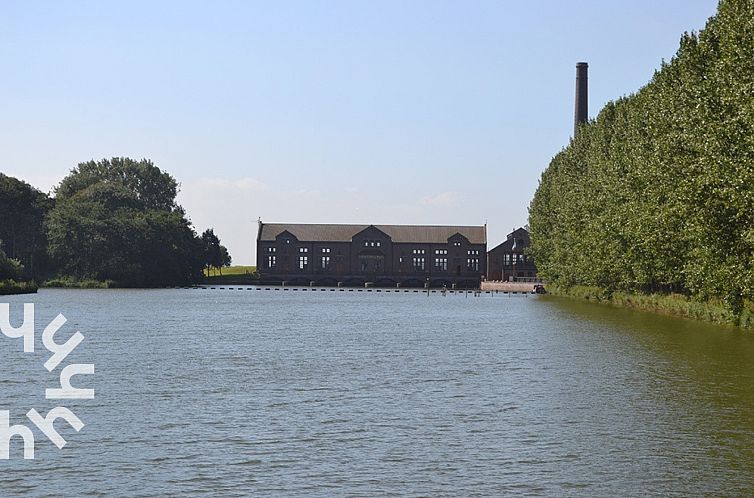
x=303 y=262
x=373 y=243
x=441 y=264
x=304 y=250
x=514 y=258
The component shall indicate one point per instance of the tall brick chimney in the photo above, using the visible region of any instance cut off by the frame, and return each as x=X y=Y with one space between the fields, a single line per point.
x=581 y=112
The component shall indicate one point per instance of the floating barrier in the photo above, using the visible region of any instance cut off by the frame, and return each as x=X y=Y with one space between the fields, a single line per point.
x=443 y=292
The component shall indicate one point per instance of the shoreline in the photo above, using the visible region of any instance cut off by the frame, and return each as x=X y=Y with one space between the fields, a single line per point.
x=10 y=288
x=677 y=305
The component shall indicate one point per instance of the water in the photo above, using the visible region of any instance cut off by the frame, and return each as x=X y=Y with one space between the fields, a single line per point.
x=369 y=394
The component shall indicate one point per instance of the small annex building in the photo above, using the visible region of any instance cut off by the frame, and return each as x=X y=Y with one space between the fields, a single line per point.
x=509 y=261
x=332 y=254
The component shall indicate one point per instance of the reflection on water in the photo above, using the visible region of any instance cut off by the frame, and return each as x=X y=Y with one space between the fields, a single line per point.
x=239 y=392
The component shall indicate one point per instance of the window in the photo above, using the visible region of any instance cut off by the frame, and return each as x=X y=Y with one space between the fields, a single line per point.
x=472 y=264
x=303 y=262
x=372 y=243
x=418 y=251
x=271 y=261
x=271 y=249
x=441 y=264
x=326 y=250
x=418 y=264
x=457 y=244
x=287 y=241
x=507 y=259
x=474 y=252
x=303 y=249
x=325 y=262
x=441 y=251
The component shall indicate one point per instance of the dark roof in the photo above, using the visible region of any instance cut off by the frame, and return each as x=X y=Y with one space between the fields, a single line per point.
x=420 y=234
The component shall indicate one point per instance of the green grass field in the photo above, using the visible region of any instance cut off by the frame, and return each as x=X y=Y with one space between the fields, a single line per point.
x=231 y=270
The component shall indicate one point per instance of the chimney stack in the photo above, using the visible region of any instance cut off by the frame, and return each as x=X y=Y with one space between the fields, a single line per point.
x=581 y=112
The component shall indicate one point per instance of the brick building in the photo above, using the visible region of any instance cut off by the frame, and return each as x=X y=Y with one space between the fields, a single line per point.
x=509 y=260
x=328 y=254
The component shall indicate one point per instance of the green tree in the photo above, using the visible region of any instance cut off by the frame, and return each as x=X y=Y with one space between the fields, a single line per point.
x=225 y=259
x=10 y=269
x=118 y=220
x=656 y=194
x=215 y=255
x=22 y=212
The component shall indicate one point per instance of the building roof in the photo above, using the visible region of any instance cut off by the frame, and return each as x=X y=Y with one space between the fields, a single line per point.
x=419 y=234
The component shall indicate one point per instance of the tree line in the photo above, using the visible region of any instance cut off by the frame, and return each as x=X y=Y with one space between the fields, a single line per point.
x=111 y=220
x=657 y=193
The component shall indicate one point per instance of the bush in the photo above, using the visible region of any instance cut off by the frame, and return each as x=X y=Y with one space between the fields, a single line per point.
x=10 y=269
x=13 y=287
x=72 y=283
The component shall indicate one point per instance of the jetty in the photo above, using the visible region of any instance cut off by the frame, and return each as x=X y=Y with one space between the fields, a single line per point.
x=513 y=286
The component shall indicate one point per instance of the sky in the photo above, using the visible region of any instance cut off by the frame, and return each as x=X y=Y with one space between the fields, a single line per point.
x=372 y=112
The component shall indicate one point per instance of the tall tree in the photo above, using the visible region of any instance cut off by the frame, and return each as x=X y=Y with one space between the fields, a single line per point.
x=215 y=255
x=656 y=194
x=22 y=212
x=118 y=220
x=10 y=269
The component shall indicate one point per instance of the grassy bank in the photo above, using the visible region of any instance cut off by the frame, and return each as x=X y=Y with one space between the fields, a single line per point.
x=231 y=270
x=238 y=275
x=666 y=304
x=71 y=283
x=8 y=287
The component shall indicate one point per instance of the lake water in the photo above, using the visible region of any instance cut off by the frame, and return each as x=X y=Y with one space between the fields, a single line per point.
x=236 y=393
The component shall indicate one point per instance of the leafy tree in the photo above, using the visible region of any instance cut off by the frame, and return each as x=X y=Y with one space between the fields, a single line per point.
x=118 y=220
x=10 y=269
x=211 y=249
x=656 y=194
x=225 y=258
x=146 y=183
x=215 y=255
x=22 y=212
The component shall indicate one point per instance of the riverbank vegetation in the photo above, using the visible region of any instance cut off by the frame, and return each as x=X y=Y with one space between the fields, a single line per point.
x=72 y=283
x=110 y=223
x=12 y=287
x=655 y=197
x=11 y=271
x=679 y=305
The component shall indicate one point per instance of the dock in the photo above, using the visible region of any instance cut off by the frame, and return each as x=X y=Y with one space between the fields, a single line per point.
x=504 y=286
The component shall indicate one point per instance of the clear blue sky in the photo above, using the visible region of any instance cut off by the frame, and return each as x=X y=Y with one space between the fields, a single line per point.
x=428 y=112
